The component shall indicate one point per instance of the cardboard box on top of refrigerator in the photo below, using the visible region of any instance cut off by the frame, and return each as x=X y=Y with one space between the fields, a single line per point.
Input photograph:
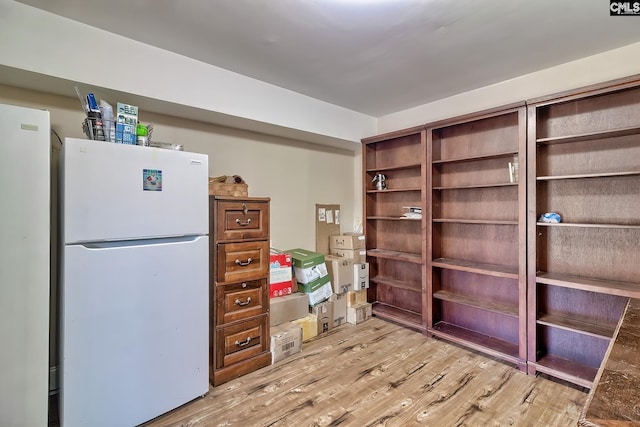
x=359 y=313
x=318 y=290
x=288 y=308
x=307 y=265
x=341 y=273
x=358 y=256
x=286 y=340
x=347 y=241
x=280 y=273
x=324 y=313
x=339 y=309
x=360 y=276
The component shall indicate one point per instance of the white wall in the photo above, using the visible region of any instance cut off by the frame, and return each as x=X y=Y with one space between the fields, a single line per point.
x=610 y=65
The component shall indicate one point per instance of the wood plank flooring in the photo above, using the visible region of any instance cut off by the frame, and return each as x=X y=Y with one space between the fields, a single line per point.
x=380 y=374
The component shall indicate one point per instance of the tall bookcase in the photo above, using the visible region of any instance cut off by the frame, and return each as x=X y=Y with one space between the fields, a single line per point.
x=584 y=164
x=477 y=232
x=396 y=245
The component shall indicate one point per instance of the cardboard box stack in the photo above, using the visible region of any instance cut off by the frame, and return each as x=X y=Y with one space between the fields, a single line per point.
x=341 y=273
x=286 y=334
x=280 y=274
x=349 y=245
x=358 y=309
x=311 y=274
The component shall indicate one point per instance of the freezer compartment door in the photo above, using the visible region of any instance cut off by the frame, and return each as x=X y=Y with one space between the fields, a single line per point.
x=134 y=330
x=118 y=192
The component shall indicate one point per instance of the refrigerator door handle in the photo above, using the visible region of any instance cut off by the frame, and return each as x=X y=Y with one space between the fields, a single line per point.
x=140 y=242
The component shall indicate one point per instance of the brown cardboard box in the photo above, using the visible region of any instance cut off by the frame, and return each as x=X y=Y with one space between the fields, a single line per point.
x=359 y=313
x=286 y=339
x=324 y=313
x=327 y=224
x=358 y=256
x=309 y=325
x=356 y=298
x=287 y=308
x=341 y=272
x=360 y=276
x=347 y=241
x=339 y=309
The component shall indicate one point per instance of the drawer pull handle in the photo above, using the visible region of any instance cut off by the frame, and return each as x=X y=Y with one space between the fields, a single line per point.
x=243 y=343
x=244 y=264
x=240 y=303
x=243 y=224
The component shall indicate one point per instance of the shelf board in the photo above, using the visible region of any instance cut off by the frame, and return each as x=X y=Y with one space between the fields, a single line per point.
x=577 y=325
x=393 y=218
x=395 y=255
x=395 y=168
x=491 y=306
x=394 y=190
x=477 y=157
x=624 y=289
x=464 y=187
x=588 y=175
x=477 y=267
x=476 y=221
x=489 y=345
x=588 y=225
x=397 y=315
x=396 y=283
x=567 y=370
x=590 y=136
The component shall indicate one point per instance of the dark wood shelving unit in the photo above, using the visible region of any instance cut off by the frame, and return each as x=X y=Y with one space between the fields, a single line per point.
x=584 y=163
x=477 y=229
x=396 y=246
x=479 y=268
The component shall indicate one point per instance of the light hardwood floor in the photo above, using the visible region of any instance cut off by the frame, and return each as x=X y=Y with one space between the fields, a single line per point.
x=380 y=374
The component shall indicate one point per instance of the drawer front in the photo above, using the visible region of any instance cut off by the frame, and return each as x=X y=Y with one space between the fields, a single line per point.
x=240 y=301
x=237 y=220
x=242 y=341
x=244 y=261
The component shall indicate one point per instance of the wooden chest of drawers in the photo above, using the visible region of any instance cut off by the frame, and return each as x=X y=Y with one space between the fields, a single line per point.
x=239 y=286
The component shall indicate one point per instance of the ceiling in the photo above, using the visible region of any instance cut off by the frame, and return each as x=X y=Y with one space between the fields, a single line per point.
x=372 y=56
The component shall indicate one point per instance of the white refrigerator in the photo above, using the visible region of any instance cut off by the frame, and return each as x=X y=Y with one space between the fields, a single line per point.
x=24 y=265
x=134 y=282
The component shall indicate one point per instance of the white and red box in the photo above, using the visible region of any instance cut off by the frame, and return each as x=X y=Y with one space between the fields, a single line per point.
x=280 y=273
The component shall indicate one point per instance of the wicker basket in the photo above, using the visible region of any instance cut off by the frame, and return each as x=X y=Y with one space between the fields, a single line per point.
x=228 y=186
